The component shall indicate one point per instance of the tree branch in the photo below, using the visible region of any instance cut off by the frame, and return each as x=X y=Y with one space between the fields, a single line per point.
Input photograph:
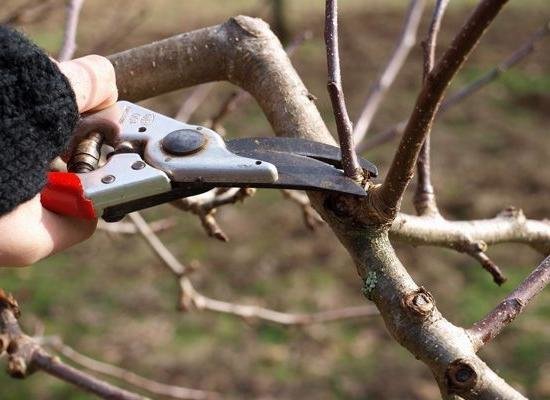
x=510 y=226
x=25 y=355
x=350 y=162
x=507 y=310
x=378 y=90
x=467 y=90
x=191 y=298
x=154 y=387
x=424 y=196
x=427 y=103
x=71 y=25
x=245 y=52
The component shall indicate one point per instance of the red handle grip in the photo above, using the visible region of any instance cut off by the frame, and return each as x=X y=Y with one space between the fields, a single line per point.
x=63 y=194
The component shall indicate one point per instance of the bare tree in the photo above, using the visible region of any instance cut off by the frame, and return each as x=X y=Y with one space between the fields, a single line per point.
x=246 y=53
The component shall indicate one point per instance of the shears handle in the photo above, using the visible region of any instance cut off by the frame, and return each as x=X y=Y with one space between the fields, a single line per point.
x=64 y=194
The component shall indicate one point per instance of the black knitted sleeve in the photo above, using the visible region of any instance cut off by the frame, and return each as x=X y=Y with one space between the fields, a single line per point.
x=38 y=112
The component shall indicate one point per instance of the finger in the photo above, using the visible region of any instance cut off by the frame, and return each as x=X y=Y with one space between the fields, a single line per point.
x=30 y=233
x=93 y=80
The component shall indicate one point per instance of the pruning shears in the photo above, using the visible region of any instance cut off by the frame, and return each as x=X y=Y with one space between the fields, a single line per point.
x=157 y=159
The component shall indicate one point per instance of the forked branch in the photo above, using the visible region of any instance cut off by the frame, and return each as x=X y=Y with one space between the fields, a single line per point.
x=428 y=101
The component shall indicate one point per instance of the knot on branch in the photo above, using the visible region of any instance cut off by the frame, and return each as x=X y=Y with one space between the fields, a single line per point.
x=513 y=212
x=360 y=211
x=253 y=27
x=419 y=303
x=7 y=301
x=461 y=376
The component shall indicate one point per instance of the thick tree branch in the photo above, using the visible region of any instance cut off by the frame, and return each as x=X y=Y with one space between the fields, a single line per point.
x=507 y=310
x=350 y=162
x=379 y=89
x=427 y=103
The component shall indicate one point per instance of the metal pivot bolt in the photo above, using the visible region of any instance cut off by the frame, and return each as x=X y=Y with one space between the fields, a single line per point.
x=86 y=155
x=183 y=142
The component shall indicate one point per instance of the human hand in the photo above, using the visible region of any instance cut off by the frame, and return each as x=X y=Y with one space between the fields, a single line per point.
x=30 y=232
x=93 y=81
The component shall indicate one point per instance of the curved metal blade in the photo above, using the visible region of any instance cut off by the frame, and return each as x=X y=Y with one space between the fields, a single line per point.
x=300 y=172
x=308 y=148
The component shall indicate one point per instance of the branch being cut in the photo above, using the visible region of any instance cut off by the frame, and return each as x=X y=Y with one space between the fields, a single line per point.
x=428 y=101
x=505 y=312
x=379 y=89
x=154 y=387
x=471 y=88
x=26 y=355
x=424 y=196
x=350 y=162
x=69 y=34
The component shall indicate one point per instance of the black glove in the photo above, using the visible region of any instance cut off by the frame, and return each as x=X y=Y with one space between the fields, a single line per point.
x=38 y=112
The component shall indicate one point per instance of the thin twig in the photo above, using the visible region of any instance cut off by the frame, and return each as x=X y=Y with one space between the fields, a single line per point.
x=428 y=101
x=193 y=101
x=69 y=34
x=151 y=386
x=311 y=218
x=343 y=124
x=477 y=250
x=378 y=90
x=467 y=90
x=204 y=206
x=424 y=196
x=190 y=298
x=509 y=308
x=127 y=228
x=26 y=355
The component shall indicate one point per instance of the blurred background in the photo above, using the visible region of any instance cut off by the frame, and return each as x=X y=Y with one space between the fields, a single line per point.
x=111 y=299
